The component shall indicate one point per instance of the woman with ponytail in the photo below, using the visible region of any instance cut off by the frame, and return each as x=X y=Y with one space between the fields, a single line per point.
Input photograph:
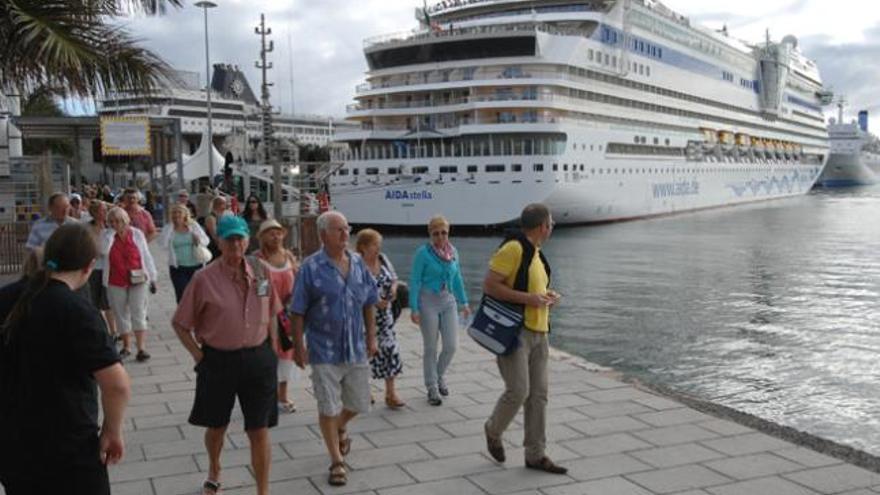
x=54 y=354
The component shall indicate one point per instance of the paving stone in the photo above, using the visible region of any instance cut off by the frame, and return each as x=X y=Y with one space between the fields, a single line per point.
x=657 y=402
x=152 y=469
x=190 y=483
x=678 y=479
x=750 y=443
x=604 y=466
x=366 y=480
x=772 y=485
x=398 y=454
x=289 y=487
x=456 y=446
x=609 y=409
x=140 y=487
x=617 y=395
x=807 y=457
x=724 y=427
x=438 y=415
x=834 y=479
x=289 y=434
x=676 y=455
x=604 y=426
x=177 y=448
x=608 y=486
x=406 y=435
x=458 y=486
x=753 y=466
x=239 y=457
x=453 y=467
x=671 y=417
x=672 y=435
x=464 y=428
x=608 y=444
x=511 y=480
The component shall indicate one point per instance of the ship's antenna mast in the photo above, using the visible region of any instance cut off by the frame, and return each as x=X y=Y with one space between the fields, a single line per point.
x=841 y=102
x=290 y=69
x=269 y=155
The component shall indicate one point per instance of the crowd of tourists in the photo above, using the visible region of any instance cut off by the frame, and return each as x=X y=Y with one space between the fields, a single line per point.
x=248 y=312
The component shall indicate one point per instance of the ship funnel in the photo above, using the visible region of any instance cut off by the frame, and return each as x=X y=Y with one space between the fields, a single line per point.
x=863 y=120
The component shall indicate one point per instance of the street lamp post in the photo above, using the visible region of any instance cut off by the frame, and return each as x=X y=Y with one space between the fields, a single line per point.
x=205 y=5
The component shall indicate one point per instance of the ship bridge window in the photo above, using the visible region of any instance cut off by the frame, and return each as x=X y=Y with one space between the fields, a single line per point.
x=472 y=169
x=537 y=167
x=495 y=168
x=508 y=46
x=420 y=170
x=343 y=171
x=372 y=171
x=393 y=171
x=516 y=167
x=565 y=167
x=555 y=167
x=449 y=169
x=355 y=171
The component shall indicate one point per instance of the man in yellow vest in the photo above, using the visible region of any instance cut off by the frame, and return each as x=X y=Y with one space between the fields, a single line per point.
x=524 y=371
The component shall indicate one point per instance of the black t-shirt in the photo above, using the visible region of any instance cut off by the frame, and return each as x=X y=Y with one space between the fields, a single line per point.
x=48 y=395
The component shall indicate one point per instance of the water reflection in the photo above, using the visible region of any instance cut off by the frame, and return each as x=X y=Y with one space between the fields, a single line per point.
x=771 y=308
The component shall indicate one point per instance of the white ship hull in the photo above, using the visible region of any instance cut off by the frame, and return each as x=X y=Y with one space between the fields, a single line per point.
x=666 y=186
x=846 y=170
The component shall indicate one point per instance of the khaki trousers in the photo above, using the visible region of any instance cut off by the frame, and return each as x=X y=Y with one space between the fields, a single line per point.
x=525 y=383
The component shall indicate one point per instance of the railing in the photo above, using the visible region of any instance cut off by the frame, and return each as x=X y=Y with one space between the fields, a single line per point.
x=424 y=34
x=13 y=236
x=356 y=107
x=477 y=76
x=515 y=119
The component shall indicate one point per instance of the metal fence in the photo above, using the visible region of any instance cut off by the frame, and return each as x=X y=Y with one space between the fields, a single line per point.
x=13 y=236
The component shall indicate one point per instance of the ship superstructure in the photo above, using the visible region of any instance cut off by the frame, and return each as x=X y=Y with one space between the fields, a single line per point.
x=855 y=154
x=602 y=109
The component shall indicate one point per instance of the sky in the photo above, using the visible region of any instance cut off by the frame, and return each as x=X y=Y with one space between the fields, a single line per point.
x=319 y=43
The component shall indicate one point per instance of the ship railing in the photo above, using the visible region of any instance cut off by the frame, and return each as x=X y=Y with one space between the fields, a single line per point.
x=358 y=107
x=487 y=75
x=424 y=34
x=498 y=119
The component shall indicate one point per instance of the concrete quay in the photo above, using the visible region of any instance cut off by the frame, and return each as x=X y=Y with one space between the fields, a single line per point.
x=615 y=439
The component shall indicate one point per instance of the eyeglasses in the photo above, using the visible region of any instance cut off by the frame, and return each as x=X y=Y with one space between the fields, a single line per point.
x=438 y=233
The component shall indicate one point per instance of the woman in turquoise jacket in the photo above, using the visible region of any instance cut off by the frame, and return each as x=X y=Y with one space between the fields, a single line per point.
x=436 y=295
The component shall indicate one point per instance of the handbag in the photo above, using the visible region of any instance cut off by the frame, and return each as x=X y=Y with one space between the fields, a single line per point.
x=285 y=341
x=137 y=277
x=202 y=254
x=496 y=326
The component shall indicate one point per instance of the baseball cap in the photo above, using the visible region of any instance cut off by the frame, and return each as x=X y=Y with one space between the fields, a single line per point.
x=269 y=225
x=76 y=197
x=230 y=225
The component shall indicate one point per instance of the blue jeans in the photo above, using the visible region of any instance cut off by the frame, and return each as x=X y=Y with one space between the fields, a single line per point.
x=180 y=277
x=439 y=320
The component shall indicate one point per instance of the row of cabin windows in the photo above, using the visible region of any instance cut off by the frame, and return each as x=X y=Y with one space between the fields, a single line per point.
x=539 y=167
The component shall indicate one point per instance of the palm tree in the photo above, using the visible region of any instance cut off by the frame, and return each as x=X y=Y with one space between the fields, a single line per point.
x=73 y=46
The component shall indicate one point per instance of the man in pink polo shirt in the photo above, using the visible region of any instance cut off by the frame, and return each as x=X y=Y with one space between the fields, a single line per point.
x=140 y=218
x=226 y=319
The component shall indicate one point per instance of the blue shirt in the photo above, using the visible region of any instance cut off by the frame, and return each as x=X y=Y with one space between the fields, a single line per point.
x=43 y=228
x=333 y=307
x=431 y=272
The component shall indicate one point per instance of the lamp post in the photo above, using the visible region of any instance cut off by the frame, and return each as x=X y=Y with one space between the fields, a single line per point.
x=205 y=5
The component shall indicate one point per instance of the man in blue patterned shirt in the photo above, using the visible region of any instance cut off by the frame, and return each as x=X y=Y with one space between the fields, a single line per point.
x=332 y=303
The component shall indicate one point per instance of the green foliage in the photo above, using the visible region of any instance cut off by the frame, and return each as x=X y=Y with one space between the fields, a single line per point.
x=43 y=102
x=73 y=45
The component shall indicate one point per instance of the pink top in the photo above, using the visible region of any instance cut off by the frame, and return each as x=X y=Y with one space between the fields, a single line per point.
x=282 y=279
x=142 y=219
x=124 y=257
x=227 y=312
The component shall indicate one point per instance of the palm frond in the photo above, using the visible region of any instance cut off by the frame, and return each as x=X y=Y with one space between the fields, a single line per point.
x=72 y=45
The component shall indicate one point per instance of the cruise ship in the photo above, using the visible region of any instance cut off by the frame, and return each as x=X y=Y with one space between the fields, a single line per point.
x=855 y=154
x=603 y=109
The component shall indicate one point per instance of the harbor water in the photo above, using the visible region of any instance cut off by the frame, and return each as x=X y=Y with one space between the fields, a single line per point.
x=772 y=308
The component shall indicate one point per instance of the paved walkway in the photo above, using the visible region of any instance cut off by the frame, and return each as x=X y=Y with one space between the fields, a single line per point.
x=615 y=439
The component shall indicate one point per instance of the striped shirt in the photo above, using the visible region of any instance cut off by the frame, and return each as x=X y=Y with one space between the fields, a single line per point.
x=43 y=228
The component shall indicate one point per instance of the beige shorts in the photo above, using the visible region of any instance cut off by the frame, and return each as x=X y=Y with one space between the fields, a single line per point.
x=129 y=305
x=341 y=386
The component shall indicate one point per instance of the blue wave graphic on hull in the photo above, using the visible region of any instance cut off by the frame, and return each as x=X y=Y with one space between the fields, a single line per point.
x=774 y=185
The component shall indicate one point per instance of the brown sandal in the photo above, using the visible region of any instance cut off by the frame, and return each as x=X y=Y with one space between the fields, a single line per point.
x=337 y=478
x=344 y=443
x=394 y=403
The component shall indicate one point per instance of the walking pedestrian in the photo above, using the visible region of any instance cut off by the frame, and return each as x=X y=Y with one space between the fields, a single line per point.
x=254 y=214
x=97 y=226
x=58 y=206
x=226 y=320
x=181 y=237
x=437 y=294
x=218 y=209
x=282 y=266
x=130 y=272
x=386 y=364
x=183 y=199
x=54 y=354
x=524 y=371
x=139 y=217
x=333 y=301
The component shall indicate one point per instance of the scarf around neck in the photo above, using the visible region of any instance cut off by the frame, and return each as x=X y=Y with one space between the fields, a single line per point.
x=445 y=252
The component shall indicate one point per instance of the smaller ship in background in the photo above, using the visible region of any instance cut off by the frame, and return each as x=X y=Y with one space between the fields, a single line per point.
x=855 y=153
